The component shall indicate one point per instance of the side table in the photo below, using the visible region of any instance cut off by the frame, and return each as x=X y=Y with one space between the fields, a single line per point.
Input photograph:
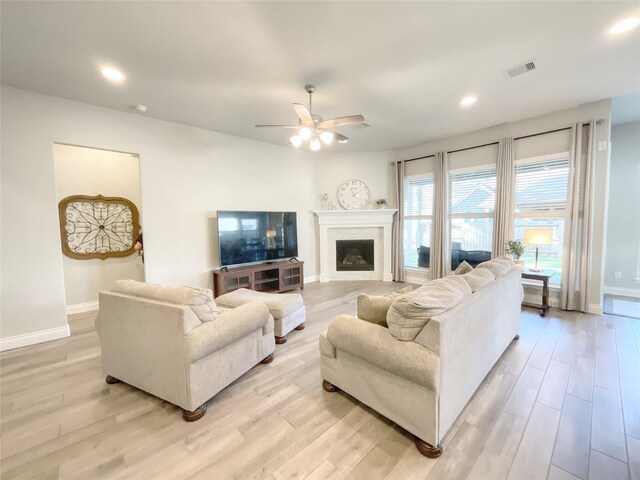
x=541 y=276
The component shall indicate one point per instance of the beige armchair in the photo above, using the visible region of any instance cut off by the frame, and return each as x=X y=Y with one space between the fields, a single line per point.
x=177 y=345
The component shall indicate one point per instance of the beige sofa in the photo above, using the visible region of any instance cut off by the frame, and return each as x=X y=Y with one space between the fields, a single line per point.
x=176 y=344
x=442 y=339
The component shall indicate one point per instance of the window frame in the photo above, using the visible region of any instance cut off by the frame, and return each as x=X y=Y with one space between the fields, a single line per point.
x=416 y=217
x=550 y=214
x=451 y=216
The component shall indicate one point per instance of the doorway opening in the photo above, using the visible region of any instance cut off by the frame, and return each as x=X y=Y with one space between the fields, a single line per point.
x=100 y=212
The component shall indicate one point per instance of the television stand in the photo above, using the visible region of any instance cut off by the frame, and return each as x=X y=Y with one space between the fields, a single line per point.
x=272 y=277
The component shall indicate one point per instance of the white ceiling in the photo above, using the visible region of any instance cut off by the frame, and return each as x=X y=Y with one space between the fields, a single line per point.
x=226 y=66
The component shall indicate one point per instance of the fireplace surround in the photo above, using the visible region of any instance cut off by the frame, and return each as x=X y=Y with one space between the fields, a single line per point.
x=356 y=225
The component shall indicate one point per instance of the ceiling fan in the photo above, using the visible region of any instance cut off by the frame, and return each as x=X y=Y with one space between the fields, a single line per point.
x=313 y=128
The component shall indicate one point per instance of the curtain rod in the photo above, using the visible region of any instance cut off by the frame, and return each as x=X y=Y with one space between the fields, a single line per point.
x=543 y=133
x=471 y=148
x=599 y=122
x=417 y=158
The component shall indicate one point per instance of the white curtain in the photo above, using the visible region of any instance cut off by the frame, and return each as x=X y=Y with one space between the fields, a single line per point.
x=439 y=257
x=398 y=230
x=505 y=198
x=577 y=247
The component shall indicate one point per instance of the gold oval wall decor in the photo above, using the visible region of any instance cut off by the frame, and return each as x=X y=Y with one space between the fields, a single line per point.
x=98 y=227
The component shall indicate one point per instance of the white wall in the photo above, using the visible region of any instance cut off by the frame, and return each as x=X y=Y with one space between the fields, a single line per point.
x=186 y=175
x=542 y=145
x=87 y=171
x=373 y=168
x=623 y=228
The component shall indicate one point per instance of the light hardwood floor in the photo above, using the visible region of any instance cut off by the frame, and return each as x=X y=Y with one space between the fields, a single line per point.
x=563 y=402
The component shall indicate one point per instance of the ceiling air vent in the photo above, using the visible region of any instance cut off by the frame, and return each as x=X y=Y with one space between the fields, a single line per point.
x=519 y=69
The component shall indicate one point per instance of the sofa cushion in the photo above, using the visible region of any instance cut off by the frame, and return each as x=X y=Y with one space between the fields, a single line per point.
x=498 y=268
x=509 y=263
x=279 y=304
x=374 y=308
x=199 y=300
x=410 y=312
x=478 y=278
x=463 y=268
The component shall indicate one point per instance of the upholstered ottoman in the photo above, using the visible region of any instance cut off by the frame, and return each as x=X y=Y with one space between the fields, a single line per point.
x=287 y=308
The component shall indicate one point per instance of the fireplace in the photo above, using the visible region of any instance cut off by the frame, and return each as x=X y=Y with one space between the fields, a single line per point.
x=355 y=256
x=338 y=225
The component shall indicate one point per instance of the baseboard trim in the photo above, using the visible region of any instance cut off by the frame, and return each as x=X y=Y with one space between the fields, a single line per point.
x=81 y=308
x=311 y=279
x=26 y=339
x=595 y=308
x=623 y=292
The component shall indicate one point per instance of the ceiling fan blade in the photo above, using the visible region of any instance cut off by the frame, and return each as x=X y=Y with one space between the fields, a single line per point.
x=303 y=113
x=339 y=137
x=278 y=126
x=341 y=121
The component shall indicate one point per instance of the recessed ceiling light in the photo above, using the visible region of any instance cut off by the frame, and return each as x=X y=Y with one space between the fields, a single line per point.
x=470 y=100
x=112 y=74
x=625 y=25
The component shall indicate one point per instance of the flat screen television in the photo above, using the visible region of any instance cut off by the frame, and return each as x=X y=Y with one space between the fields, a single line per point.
x=255 y=237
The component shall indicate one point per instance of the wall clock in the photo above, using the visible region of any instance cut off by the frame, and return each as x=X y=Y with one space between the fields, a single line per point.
x=97 y=226
x=353 y=194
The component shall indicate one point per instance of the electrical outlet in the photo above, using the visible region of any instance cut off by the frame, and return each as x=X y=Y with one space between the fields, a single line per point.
x=617 y=275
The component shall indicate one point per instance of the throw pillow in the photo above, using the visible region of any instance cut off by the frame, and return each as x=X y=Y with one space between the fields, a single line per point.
x=374 y=308
x=498 y=268
x=478 y=278
x=510 y=264
x=463 y=268
x=409 y=313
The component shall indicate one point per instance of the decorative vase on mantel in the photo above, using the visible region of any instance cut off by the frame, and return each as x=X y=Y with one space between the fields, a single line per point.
x=324 y=201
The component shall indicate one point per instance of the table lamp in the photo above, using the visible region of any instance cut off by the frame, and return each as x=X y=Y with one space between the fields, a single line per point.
x=537 y=237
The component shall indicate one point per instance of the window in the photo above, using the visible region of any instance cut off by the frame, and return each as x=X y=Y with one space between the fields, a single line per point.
x=472 y=198
x=418 y=211
x=541 y=201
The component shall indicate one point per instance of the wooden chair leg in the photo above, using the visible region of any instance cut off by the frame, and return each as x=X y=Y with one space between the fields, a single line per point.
x=300 y=327
x=329 y=387
x=111 y=380
x=197 y=414
x=281 y=340
x=427 y=449
x=268 y=358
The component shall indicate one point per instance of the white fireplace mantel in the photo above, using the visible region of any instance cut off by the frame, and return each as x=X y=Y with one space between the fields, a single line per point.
x=355 y=219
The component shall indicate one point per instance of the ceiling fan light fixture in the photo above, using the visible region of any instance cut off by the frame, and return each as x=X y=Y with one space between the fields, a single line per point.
x=327 y=137
x=314 y=144
x=305 y=133
x=312 y=128
x=296 y=141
